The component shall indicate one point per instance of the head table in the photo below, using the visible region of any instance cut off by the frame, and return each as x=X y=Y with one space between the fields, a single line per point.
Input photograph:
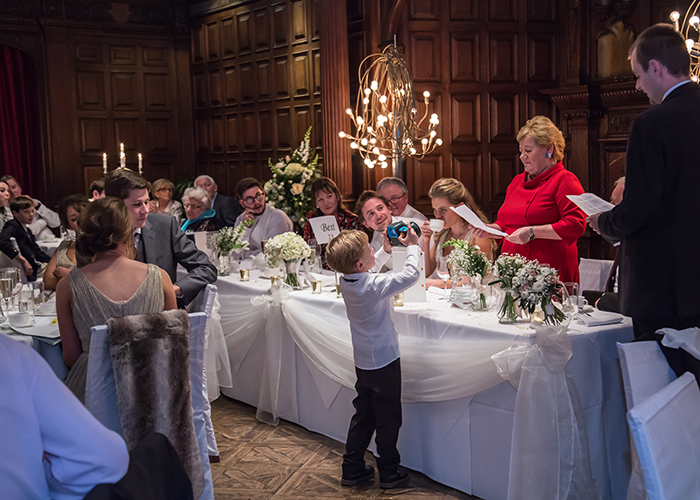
x=291 y=358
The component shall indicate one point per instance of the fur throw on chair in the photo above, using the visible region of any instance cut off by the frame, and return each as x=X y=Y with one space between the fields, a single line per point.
x=150 y=359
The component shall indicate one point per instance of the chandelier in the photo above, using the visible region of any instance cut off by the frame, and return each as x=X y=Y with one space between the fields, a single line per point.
x=385 y=116
x=690 y=20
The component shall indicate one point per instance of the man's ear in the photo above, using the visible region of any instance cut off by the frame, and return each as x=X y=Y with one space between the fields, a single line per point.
x=658 y=68
x=364 y=223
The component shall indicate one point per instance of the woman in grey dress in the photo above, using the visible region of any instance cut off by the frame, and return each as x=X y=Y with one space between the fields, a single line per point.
x=63 y=259
x=112 y=285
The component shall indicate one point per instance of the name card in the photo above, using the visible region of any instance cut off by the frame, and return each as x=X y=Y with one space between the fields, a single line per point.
x=325 y=228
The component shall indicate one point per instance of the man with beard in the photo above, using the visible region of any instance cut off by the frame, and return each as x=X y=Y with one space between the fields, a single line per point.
x=373 y=211
x=268 y=221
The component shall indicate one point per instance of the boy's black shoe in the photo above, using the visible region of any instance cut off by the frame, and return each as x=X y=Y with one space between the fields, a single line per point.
x=360 y=477
x=400 y=477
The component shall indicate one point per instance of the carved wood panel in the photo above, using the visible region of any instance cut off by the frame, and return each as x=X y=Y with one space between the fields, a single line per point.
x=263 y=87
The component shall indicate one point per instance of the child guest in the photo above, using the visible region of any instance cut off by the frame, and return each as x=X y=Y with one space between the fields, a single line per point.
x=27 y=252
x=369 y=304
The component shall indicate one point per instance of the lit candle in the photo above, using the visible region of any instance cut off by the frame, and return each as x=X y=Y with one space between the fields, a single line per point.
x=104 y=163
x=140 y=164
x=122 y=160
x=121 y=148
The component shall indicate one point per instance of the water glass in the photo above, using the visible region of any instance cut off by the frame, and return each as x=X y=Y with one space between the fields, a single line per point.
x=398 y=299
x=316 y=286
x=37 y=293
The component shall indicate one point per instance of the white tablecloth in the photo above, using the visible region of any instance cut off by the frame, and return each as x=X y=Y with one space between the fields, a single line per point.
x=463 y=442
x=49 y=246
x=44 y=337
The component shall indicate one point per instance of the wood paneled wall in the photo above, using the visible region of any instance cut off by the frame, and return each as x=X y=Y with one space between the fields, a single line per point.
x=257 y=87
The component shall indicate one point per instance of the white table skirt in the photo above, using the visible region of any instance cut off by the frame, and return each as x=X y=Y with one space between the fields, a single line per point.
x=464 y=443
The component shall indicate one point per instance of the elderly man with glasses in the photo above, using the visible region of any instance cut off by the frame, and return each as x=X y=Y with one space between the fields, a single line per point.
x=269 y=221
x=396 y=194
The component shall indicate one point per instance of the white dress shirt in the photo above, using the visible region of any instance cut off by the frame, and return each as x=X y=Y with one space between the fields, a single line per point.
x=369 y=304
x=268 y=225
x=44 y=218
x=412 y=213
x=52 y=447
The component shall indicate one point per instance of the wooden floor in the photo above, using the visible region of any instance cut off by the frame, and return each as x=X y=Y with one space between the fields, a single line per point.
x=288 y=462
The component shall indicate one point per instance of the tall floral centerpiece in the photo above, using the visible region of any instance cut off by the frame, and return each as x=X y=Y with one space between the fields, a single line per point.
x=292 y=176
x=469 y=260
x=537 y=284
x=291 y=248
x=506 y=267
x=228 y=240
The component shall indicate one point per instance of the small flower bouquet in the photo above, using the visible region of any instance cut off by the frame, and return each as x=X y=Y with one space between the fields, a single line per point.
x=535 y=284
x=469 y=260
x=230 y=239
x=292 y=177
x=507 y=266
x=291 y=248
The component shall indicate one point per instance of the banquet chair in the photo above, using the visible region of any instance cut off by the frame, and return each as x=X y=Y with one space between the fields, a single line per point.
x=645 y=371
x=594 y=273
x=101 y=392
x=204 y=302
x=666 y=433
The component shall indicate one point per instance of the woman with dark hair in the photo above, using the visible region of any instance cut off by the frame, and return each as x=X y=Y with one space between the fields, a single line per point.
x=5 y=195
x=328 y=202
x=63 y=259
x=112 y=285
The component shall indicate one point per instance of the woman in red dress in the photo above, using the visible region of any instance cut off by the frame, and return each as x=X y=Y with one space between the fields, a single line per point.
x=541 y=222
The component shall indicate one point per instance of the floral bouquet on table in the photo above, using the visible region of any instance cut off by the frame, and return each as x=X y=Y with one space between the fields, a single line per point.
x=535 y=284
x=507 y=266
x=228 y=240
x=469 y=260
x=291 y=248
x=290 y=187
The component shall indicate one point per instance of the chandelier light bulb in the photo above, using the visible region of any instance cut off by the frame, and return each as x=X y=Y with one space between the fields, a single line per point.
x=375 y=151
x=368 y=91
x=382 y=99
x=675 y=16
x=384 y=164
x=341 y=134
x=438 y=142
x=426 y=94
x=402 y=92
x=365 y=101
x=381 y=158
x=413 y=151
x=348 y=112
x=694 y=22
x=364 y=142
x=374 y=85
x=360 y=120
x=373 y=141
x=694 y=78
x=689 y=44
x=424 y=141
x=354 y=145
x=370 y=129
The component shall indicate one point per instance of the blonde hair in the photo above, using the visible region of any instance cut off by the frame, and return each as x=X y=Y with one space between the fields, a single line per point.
x=345 y=250
x=545 y=134
x=455 y=192
x=163 y=184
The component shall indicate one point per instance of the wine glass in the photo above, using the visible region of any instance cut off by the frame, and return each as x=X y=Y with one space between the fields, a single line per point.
x=6 y=290
x=443 y=272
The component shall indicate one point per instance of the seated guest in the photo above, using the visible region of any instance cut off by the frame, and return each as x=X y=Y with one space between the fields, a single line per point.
x=27 y=252
x=226 y=208
x=444 y=194
x=269 y=221
x=163 y=191
x=52 y=447
x=373 y=212
x=328 y=202
x=200 y=216
x=159 y=239
x=112 y=285
x=44 y=217
x=97 y=189
x=5 y=212
x=395 y=192
x=63 y=259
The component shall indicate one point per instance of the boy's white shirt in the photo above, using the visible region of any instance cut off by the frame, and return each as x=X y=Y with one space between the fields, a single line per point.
x=369 y=304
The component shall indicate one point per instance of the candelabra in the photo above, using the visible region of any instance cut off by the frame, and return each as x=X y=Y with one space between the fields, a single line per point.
x=385 y=116
x=690 y=20
x=122 y=160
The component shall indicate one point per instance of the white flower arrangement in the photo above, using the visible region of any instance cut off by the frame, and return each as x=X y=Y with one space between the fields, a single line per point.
x=466 y=259
x=230 y=239
x=507 y=266
x=286 y=246
x=290 y=187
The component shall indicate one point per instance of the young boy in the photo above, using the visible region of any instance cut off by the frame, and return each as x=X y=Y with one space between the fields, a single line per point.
x=369 y=305
x=28 y=252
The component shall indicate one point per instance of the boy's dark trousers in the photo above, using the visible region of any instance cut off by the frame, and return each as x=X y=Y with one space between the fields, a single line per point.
x=377 y=407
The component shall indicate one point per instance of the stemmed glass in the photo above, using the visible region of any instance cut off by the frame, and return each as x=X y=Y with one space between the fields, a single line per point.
x=443 y=272
x=6 y=289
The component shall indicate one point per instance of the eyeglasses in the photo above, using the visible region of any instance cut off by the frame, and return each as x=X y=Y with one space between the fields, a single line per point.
x=252 y=199
x=440 y=211
x=395 y=199
x=192 y=205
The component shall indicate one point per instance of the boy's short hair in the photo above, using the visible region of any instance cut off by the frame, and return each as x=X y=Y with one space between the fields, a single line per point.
x=345 y=250
x=364 y=198
x=97 y=185
x=245 y=184
x=121 y=181
x=21 y=203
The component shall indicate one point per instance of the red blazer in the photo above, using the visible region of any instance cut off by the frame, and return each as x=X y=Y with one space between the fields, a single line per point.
x=541 y=201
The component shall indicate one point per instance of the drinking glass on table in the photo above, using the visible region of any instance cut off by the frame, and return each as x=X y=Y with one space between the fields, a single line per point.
x=6 y=288
x=443 y=272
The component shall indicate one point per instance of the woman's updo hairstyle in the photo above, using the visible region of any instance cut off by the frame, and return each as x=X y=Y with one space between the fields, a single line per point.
x=455 y=192
x=104 y=224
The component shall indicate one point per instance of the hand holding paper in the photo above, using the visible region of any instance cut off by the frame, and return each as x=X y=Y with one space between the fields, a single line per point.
x=590 y=203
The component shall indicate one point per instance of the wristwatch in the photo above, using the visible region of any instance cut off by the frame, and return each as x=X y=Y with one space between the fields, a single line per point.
x=532 y=234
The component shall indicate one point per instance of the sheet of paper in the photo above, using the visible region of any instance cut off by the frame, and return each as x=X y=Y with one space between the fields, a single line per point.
x=466 y=213
x=325 y=228
x=590 y=203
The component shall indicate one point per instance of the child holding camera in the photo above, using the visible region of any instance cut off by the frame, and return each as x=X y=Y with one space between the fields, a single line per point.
x=369 y=304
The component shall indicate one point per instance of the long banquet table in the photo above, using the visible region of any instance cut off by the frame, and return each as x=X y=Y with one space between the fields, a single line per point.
x=464 y=442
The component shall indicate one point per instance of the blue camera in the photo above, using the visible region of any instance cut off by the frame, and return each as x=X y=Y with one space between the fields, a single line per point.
x=400 y=228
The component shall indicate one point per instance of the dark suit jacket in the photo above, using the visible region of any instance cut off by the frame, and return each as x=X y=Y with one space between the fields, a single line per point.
x=26 y=243
x=227 y=210
x=163 y=243
x=658 y=220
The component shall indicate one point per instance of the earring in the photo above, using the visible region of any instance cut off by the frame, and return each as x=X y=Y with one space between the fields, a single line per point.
x=548 y=154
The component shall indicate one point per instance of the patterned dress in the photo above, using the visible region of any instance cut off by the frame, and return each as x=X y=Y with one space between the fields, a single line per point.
x=91 y=308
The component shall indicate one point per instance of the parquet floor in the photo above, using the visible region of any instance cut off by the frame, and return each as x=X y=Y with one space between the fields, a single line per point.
x=287 y=462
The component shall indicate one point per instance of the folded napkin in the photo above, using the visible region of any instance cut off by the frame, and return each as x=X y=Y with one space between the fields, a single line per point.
x=599 y=318
x=324 y=279
x=437 y=291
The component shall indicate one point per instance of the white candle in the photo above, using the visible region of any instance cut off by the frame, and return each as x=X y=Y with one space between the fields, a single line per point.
x=104 y=163
x=121 y=148
x=122 y=160
x=140 y=164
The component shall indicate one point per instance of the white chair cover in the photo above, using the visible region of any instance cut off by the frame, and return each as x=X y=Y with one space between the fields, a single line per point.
x=101 y=397
x=594 y=273
x=645 y=371
x=666 y=431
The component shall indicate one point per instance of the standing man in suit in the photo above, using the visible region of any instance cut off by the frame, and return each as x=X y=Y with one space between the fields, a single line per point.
x=226 y=208
x=158 y=239
x=27 y=252
x=656 y=221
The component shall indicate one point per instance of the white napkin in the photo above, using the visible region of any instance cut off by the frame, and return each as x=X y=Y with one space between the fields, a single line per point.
x=437 y=291
x=325 y=280
x=688 y=340
x=599 y=318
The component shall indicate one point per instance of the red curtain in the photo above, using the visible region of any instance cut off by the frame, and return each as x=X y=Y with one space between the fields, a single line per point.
x=20 y=147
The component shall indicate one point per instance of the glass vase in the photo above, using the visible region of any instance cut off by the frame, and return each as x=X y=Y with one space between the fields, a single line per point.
x=481 y=294
x=224 y=267
x=292 y=276
x=508 y=309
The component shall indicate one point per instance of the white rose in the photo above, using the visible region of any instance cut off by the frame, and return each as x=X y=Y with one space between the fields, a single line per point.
x=297 y=189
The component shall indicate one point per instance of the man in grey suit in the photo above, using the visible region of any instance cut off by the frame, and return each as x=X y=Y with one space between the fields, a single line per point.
x=158 y=238
x=226 y=208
